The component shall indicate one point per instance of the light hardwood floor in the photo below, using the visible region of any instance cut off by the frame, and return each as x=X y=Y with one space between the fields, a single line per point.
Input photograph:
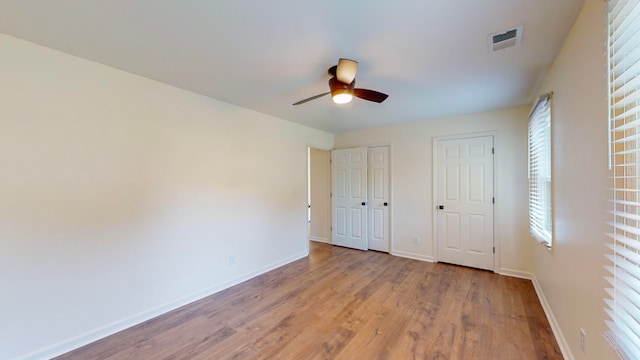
x=348 y=304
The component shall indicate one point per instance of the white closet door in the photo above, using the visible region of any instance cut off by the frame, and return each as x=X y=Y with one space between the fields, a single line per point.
x=349 y=197
x=378 y=195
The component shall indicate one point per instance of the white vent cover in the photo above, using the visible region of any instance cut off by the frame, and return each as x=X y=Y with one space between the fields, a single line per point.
x=505 y=39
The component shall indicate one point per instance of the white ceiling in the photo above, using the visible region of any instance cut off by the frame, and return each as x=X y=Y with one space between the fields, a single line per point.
x=431 y=57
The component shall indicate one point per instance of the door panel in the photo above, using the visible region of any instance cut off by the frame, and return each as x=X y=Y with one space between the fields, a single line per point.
x=453 y=231
x=453 y=181
x=464 y=187
x=341 y=221
x=378 y=224
x=356 y=184
x=476 y=188
x=357 y=215
x=341 y=183
x=476 y=226
x=349 y=192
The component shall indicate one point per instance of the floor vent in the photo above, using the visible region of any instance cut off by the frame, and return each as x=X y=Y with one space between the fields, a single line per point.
x=505 y=39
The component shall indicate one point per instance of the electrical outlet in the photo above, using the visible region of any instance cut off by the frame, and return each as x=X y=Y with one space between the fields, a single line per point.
x=583 y=341
x=232 y=260
x=416 y=240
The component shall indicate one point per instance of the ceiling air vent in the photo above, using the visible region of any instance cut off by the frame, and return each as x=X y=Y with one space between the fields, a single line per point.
x=506 y=39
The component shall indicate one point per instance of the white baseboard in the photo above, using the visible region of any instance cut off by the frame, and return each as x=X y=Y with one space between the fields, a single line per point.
x=413 y=256
x=562 y=342
x=557 y=333
x=319 y=239
x=93 y=335
x=515 y=273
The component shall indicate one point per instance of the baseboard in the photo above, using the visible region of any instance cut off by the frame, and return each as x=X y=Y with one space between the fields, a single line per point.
x=515 y=273
x=557 y=333
x=319 y=239
x=413 y=256
x=562 y=342
x=91 y=336
x=97 y=334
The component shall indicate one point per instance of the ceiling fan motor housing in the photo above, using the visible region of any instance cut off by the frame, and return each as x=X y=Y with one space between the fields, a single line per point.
x=338 y=87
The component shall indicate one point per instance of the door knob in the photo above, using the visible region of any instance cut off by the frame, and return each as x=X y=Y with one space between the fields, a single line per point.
x=364 y=203
x=386 y=204
x=441 y=207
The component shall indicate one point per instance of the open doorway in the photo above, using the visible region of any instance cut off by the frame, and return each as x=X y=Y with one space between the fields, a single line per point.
x=319 y=195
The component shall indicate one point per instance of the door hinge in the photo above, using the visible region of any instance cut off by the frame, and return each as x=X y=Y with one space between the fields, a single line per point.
x=493 y=151
x=494 y=249
x=493 y=200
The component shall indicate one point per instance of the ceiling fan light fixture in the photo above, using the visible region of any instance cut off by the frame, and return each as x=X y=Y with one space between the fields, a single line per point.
x=341 y=93
x=342 y=85
x=342 y=98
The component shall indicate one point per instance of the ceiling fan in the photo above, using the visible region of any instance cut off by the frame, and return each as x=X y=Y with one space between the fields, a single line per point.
x=342 y=85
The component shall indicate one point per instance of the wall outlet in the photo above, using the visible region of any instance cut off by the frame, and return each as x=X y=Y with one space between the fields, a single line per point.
x=415 y=240
x=232 y=260
x=583 y=341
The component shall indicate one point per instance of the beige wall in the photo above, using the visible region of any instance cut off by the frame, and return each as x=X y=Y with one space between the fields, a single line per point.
x=412 y=205
x=571 y=274
x=122 y=198
x=320 y=226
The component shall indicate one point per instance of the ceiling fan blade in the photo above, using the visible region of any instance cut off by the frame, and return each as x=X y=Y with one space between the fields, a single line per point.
x=370 y=95
x=311 y=98
x=346 y=70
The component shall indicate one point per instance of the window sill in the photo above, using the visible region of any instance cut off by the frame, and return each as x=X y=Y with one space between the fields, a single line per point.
x=542 y=240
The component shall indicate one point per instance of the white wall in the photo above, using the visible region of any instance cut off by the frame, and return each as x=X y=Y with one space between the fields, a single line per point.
x=571 y=275
x=122 y=197
x=411 y=203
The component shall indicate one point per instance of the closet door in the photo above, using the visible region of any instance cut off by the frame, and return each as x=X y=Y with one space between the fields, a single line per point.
x=378 y=195
x=349 y=197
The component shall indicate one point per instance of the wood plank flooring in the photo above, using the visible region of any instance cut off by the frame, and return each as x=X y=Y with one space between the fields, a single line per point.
x=348 y=304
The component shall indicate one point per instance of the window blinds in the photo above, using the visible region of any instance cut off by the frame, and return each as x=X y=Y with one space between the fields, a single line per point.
x=540 y=170
x=623 y=301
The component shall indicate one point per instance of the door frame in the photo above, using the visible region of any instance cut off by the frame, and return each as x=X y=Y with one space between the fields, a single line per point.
x=307 y=147
x=434 y=189
x=314 y=190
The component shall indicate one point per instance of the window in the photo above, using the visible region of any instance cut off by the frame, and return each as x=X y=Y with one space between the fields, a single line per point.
x=540 y=209
x=623 y=301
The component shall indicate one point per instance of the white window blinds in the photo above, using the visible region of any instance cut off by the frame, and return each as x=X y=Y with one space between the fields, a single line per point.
x=540 y=215
x=623 y=302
